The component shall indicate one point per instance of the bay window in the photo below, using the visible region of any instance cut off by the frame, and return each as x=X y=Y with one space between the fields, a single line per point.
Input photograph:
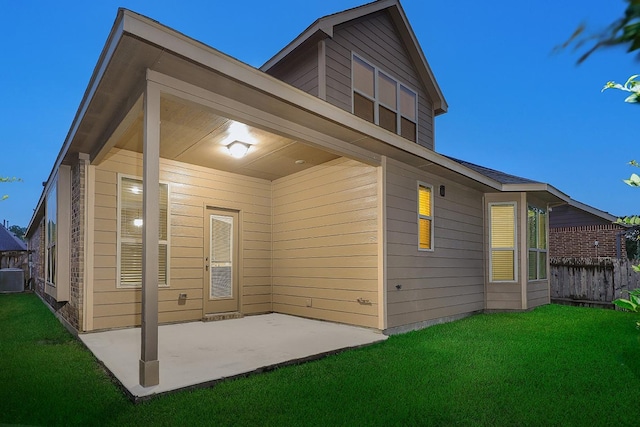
x=537 y=238
x=502 y=241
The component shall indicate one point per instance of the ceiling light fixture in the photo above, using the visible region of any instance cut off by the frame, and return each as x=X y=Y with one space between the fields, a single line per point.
x=238 y=149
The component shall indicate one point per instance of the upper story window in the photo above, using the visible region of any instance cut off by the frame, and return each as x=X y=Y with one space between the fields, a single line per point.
x=381 y=99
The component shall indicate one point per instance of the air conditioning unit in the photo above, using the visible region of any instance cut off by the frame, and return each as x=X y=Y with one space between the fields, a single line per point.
x=11 y=280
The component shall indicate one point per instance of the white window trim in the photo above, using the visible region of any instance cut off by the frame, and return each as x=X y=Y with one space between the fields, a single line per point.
x=514 y=205
x=376 y=102
x=536 y=249
x=119 y=237
x=425 y=185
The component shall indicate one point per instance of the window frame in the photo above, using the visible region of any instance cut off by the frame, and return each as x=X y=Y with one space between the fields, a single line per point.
x=51 y=249
x=376 y=95
x=514 y=248
x=430 y=218
x=537 y=250
x=120 y=240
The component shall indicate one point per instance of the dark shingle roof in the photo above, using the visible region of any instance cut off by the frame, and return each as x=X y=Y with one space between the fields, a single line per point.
x=501 y=177
x=9 y=242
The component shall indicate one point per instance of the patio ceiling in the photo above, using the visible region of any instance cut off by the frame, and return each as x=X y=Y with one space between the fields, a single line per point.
x=197 y=135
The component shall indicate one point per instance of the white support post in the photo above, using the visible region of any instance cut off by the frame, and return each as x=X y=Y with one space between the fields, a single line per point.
x=149 y=364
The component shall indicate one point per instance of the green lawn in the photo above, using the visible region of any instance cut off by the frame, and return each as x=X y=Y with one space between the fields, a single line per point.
x=555 y=365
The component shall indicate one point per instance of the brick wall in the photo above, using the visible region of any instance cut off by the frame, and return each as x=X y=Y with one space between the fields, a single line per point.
x=579 y=242
x=36 y=246
x=76 y=287
x=70 y=310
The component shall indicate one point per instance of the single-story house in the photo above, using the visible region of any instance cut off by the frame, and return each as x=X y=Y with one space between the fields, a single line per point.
x=192 y=185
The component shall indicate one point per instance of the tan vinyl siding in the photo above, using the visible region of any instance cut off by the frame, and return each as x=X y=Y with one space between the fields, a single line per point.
x=374 y=38
x=301 y=71
x=537 y=294
x=448 y=281
x=325 y=243
x=191 y=188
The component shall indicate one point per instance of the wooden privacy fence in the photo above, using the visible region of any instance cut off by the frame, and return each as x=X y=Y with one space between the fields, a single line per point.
x=591 y=282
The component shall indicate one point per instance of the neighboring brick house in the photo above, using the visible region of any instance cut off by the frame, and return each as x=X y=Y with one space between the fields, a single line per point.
x=581 y=231
x=13 y=251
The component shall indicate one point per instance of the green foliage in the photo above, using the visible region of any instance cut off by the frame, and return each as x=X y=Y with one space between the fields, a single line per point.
x=633 y=86
x=622 y=32
x=18 y=231
x=8 y=179
x=633 y=303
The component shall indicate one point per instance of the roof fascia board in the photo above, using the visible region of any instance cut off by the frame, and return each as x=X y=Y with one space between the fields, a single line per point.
x=326 y=25
x=415 y=51
x=538 y=186
x=307 y=34
x=103 y=61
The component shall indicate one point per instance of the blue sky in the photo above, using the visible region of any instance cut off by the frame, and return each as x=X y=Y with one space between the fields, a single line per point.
x=513 y=106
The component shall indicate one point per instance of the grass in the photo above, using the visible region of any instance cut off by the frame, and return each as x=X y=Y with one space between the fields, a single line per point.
x=555 y=365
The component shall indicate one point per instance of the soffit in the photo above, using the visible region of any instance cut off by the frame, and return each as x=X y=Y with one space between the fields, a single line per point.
x=194 y=134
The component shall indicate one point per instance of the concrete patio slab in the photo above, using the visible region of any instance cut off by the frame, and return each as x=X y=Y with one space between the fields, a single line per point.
x=199 y=354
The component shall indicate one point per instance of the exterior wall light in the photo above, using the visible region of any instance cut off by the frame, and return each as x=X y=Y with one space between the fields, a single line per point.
x=238 y=149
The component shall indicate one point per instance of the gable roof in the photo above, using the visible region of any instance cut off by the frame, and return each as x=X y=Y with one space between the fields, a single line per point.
x=323 y=28
x=505 y=178
x=9 y=242
x=501 y=177
x=597 y=213
x=140 y=48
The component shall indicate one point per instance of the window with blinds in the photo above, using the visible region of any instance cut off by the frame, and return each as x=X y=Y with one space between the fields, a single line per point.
x=381 y=99
x=130 y=233
x=502 y=238
x=537 y=238
x=425 y=217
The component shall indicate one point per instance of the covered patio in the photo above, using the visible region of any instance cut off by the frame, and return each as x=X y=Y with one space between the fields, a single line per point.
x=199 y=354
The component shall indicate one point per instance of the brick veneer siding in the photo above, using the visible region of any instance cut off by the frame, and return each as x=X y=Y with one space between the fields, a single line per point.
x=36 y=246
x=578 y=242
x=73 y=310
x=70 y=310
